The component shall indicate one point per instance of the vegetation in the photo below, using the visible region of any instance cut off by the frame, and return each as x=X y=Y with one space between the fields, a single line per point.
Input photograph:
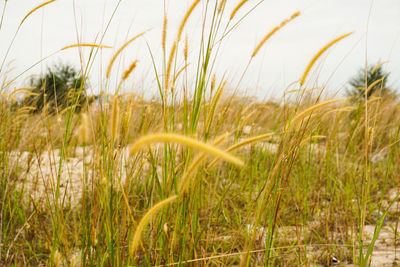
x=369 y=81
x=209 y=179
x=57 y=90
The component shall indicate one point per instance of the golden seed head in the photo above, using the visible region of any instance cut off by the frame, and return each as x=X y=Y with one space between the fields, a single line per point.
x=84 y=129
x=221 y=6
x=236 y=9
x=213 y=81
x=108 y=72
x=320 y=52
x=273 y=31
x=33 y=10
x=186 y=49
x=57 y=258
x=129 y=70
x=164 y=33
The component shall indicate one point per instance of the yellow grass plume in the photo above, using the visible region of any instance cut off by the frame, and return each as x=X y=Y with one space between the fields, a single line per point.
x=120 y=50
x=164 y=32
x=378 y=65
x=196 y=162
x=181 y=139
x=21 y=90
x=129 y=70
x=312 y=108
x=33 y=10
x=186 y=49
x=320 y=52
x=213 y=81
x=186 y=17
x=178 y=37
x=273 y=31
x=221 y=6
x=84 y=129
x=237 y=7
x=86 y=45
x=143 y=222
x=373 y=84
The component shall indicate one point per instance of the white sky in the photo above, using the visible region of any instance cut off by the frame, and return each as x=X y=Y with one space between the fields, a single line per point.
x=281 y=61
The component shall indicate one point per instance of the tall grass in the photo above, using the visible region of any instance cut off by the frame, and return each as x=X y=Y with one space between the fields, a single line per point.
x=128 y=182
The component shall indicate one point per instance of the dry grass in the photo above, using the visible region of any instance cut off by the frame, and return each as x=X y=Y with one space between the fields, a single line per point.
x=128 y=181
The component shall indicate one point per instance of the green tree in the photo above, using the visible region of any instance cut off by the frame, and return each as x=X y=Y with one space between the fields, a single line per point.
x=376 y=83
x=61 y=87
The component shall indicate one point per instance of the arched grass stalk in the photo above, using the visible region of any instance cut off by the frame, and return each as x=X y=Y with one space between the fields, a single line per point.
x=36 y=8
x=237 y=8
x=181 y=139
x=312 y=108
x=139 y=229
x=86 y=45
x=318 y=55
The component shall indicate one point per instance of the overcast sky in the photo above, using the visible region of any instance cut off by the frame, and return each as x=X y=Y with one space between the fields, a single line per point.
x=281 y=61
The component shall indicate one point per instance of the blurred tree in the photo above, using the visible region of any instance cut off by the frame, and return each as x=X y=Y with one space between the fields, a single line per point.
x=58 y=89
x=376 y=83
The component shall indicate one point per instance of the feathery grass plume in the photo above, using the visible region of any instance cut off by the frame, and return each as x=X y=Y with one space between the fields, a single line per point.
x=115 y=119
x=273 y=31
x=84 y=129
x=320 y=52
x=177 y=138
x=213 y=81
x=33 y=10
x=242 y=143
x=377 y=66
x=129 y=70
x=186 y=48
x=120 y=50
x=337 y=110
x=178 y=38
x=86 y=45
x=248 y=116
x=169 y=64
x=312 y=108
x=186 y=17
x=57 y=258
x=236 y=9
x=314 y=137
x=196 y=162
x=164 y=32
x=221 y=6
x=21 y=90
x=139 y=229
x=373 y=84
x=26 y=108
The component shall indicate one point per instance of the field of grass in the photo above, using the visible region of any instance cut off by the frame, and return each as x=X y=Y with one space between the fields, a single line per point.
x=198 y=176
